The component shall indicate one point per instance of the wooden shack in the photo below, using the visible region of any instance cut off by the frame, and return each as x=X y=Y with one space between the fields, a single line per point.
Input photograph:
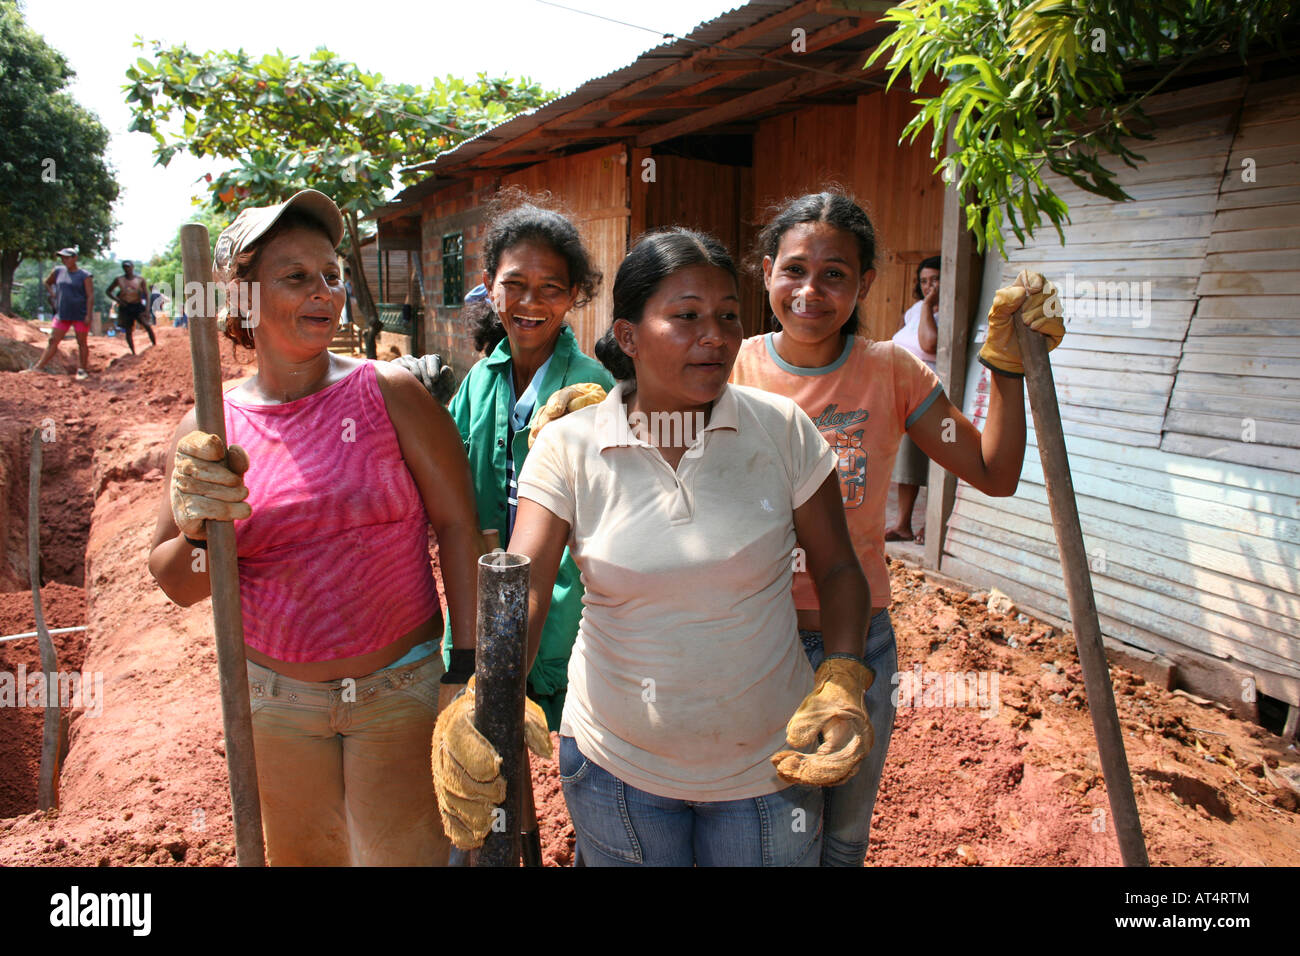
x=1178 y=379
x=760 y=104
x=1179 y=383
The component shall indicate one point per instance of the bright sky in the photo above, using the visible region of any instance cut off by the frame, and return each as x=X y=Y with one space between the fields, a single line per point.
x=407 y=41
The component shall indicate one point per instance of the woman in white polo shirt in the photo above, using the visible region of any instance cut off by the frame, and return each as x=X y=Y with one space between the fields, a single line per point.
x=680 y=498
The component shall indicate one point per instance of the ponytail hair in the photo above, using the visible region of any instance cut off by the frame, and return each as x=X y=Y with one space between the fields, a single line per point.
x=833 y=206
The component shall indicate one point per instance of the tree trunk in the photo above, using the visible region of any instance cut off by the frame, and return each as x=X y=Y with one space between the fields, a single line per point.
x=360 y=282
x=361 y=286
x=9 y=261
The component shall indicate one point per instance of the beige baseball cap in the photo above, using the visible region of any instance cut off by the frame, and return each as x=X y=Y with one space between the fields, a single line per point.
x=253 y=223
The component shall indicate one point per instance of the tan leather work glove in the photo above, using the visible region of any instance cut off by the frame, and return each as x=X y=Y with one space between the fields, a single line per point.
x=467 y=769
x=1041 y=310
x=834 y=710
x=207 y=483
x=565 y=400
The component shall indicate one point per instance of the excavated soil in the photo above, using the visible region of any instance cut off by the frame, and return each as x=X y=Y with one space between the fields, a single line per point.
x=144 y=781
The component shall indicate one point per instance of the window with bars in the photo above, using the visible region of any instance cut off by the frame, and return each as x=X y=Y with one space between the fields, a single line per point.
x=453 y=270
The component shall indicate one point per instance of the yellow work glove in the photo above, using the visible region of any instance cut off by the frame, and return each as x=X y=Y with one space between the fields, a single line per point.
x=467 y=769
x=834 y=710
x=1041 y=309
x=565 y=400
x=207 y=484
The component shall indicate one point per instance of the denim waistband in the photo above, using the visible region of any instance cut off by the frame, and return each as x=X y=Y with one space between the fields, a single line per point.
x=811 y=639
x=880 y=631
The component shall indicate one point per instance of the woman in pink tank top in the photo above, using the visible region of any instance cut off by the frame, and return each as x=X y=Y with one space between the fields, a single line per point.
x=335 y=470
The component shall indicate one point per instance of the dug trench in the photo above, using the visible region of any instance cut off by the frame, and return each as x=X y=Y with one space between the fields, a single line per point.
x=144 y=781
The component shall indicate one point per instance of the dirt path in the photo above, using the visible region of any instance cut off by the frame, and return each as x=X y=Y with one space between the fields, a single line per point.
x=145 y=782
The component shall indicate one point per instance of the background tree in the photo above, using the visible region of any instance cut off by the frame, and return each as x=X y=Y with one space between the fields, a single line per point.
x=162 y=270
x=55 y=187
x=1034 y=84
x=320 y=122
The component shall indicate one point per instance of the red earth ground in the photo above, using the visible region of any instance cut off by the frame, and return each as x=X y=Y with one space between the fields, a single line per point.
x=144 y=781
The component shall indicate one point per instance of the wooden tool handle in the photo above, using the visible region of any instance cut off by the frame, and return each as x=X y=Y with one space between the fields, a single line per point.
x=223 y=567
x=1078 y=587
x=47 y=792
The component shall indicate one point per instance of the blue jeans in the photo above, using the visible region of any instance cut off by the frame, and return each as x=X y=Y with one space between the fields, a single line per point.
x=618 y=825
x=848 y=807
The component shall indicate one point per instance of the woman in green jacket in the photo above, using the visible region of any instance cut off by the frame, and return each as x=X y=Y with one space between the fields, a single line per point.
x=535 y=269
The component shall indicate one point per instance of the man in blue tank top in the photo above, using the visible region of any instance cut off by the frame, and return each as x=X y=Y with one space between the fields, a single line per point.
x=72 y=290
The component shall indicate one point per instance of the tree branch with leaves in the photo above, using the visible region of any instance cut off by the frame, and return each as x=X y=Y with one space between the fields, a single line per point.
x=56 y=189
x=1034 y=85
x=290 y=123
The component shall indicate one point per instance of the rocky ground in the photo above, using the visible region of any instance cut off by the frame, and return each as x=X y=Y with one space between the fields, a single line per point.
x=1014 y=782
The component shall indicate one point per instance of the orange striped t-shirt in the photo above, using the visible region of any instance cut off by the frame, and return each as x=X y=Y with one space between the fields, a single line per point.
x=862 y=402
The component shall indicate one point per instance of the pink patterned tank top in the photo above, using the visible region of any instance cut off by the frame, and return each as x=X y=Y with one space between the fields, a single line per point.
x=334 y=561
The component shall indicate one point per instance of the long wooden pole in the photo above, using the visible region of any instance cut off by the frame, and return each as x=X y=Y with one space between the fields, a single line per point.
x=1078 y=586
x=223 y=569
x=47 y=789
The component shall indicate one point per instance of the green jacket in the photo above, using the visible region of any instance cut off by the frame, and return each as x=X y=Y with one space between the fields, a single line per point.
x=481 y=410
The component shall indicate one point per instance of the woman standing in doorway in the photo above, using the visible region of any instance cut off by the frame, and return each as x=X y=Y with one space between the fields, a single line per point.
x=919 y=334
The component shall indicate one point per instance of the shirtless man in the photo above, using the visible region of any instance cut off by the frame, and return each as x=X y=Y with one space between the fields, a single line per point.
x=132 y=298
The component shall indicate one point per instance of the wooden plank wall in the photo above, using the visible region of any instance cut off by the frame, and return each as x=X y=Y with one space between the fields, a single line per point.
x=1238 y=389
x=856 y=146
x=593 y=188
x=709 y=197
x=370 y=265
x=1192 y=536
x=1115 y=370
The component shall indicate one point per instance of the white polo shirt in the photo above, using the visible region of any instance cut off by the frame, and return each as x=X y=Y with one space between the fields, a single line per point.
x=687 y=665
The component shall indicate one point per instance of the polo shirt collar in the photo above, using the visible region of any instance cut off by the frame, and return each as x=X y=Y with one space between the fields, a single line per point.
x=613 y=431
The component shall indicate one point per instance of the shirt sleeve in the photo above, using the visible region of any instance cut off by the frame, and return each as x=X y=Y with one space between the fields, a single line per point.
x=546 y=477
x=812 y=459
x=916 y=387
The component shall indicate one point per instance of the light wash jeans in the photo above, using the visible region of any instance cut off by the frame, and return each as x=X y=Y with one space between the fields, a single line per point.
x=618 y=825
x=848 y=807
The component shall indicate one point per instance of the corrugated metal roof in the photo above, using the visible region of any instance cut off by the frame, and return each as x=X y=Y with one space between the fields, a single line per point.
x=656 y=58
x=665 y=54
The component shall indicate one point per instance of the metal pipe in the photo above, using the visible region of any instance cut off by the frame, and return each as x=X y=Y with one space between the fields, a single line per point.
x=499 y=691
x=57 y=630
